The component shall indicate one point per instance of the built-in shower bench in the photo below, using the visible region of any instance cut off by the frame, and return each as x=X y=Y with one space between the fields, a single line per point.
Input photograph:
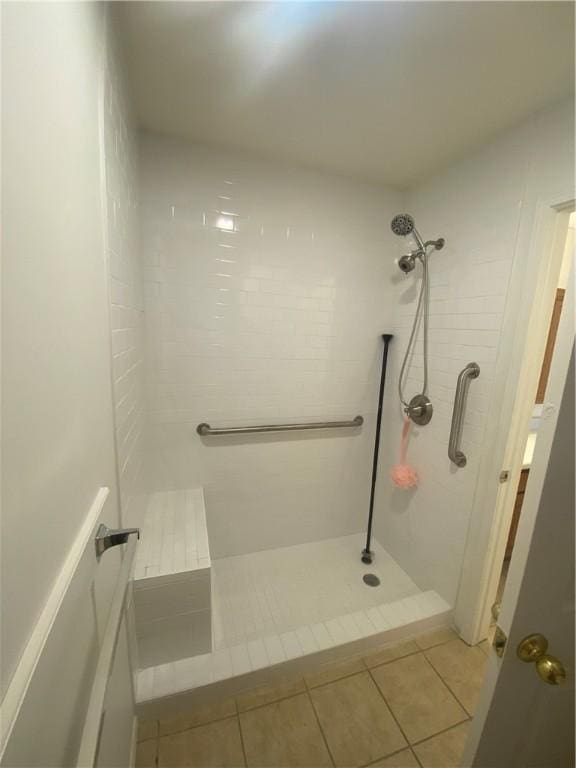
x=172 y=601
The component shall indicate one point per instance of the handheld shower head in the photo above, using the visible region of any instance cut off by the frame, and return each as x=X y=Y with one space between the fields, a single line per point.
x=407 y=263
x=402 y=224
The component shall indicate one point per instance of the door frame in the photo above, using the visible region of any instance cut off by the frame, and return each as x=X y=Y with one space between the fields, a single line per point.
x=535 y=273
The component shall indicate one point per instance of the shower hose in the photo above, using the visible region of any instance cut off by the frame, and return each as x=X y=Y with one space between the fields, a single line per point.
x=422 y=312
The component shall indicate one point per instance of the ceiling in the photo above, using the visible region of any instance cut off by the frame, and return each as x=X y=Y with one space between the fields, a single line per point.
x=384 y=91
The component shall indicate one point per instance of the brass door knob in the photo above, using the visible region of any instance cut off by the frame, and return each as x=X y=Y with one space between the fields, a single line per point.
x=533 y=649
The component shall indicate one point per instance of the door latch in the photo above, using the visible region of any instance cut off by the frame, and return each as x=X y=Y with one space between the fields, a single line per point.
x=504 y=476
x=499 y=642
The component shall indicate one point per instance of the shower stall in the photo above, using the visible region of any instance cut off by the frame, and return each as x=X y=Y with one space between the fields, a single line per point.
x=263 y=317
x=258 y=297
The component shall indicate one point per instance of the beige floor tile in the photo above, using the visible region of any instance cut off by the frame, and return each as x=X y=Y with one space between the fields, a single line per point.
x=462 y=668
x=390 y=653
x=207 y=713
x=147 y=729
x=436 y=637
x=334 y=671
x=444 y=750
x=285 y=733
x=404 y=759
x=268 y=694
x=356 y=722
x=420 y=701
x=146 y=754
x=216 y=745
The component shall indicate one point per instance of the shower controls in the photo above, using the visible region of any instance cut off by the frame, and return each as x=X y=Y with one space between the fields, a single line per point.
x=420 y=410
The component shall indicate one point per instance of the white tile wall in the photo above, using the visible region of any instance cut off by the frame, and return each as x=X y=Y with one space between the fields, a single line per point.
x=266 y=291
x=478 y=206
x=126 y=286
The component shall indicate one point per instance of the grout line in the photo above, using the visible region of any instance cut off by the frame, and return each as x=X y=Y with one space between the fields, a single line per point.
x=335 y=680
x=320 y=727
x=242 y=739
x=272 y=701
x=468 y=715
x=387 y=757
x=197 y=725
x=389 y=709
x=391 y=661
x=416 y=757
x=444 y=730
x=436 y=645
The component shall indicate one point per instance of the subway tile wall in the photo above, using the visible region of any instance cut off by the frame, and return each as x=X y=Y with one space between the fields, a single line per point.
x=126 y=286
x=478 y=205
x=266 y=291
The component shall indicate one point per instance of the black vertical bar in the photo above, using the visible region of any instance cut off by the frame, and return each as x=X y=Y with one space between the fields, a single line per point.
x=367 y=555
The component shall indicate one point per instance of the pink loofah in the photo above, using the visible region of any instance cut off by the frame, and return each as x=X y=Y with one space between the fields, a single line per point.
x=403 y=475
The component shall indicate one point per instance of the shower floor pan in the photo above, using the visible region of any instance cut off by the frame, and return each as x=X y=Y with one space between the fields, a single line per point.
x=286 y=611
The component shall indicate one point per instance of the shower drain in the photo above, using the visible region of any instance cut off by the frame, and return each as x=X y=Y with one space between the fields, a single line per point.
x=371 y=579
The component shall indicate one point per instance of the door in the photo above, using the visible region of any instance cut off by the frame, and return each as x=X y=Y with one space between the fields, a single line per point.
x=522 y=720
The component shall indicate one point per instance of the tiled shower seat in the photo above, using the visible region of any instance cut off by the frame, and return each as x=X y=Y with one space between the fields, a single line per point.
x=172 y=594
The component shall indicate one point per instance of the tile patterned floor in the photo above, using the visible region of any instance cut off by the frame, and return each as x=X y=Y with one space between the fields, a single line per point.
x=402 y=706
x=280 y=590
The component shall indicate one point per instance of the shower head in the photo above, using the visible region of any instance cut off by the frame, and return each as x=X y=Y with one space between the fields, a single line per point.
x=402 y=224
x=407 y=263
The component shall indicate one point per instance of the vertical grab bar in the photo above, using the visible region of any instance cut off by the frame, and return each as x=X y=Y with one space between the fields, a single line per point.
x=471 y=371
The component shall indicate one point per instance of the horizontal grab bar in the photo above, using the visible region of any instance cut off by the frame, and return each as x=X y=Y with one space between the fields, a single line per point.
x=205 y=429
x=471 y=371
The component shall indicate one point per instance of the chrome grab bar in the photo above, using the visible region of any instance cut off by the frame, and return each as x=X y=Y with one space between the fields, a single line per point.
x=205 y=429
x=471 y=371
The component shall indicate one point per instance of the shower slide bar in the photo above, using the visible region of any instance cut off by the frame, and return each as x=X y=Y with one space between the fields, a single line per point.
x=471 y=371
x=205 y=429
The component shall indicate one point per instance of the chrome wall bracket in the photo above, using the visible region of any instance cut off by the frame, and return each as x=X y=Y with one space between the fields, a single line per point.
x=112 y=537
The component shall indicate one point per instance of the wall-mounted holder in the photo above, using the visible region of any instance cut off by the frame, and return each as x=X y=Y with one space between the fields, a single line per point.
x=112 y=537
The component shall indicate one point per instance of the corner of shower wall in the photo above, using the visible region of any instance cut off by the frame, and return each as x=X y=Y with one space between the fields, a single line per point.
x=478 y=205
x=120 y=140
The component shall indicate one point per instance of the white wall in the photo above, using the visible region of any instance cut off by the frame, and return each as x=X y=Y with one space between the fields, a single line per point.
x=277 y=320
x=57 y=440
x=126 y=281
x=57 y=407
x=480 y=206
